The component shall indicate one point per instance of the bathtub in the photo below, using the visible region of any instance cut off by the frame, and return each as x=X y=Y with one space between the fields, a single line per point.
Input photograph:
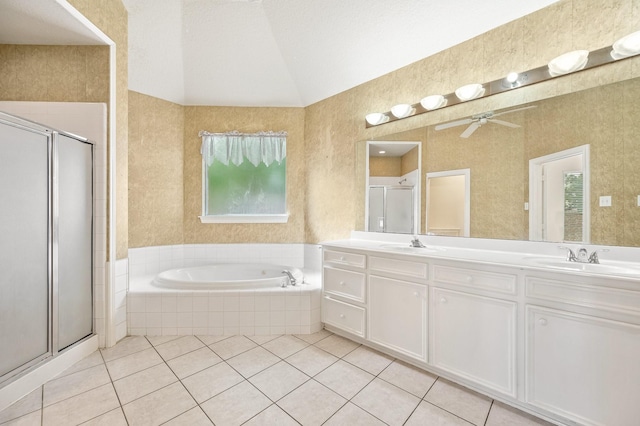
x=226 y=277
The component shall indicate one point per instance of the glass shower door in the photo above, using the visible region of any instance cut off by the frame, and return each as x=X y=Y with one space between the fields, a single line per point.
x=24 y=252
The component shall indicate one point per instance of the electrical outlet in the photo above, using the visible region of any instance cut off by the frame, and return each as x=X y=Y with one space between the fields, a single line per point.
x=526 y=205
x=605 y=201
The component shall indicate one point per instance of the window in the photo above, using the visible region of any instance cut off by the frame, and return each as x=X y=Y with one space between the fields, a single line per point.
x=244 y=177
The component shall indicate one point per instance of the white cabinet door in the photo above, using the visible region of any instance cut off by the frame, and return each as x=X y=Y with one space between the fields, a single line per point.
x=584 y=368
x=474 y=337
x=398 y=316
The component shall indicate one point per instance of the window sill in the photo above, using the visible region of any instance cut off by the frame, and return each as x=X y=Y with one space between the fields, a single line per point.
x=246 y=218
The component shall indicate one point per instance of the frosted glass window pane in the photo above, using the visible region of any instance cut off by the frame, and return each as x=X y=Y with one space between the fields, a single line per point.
x=246 y=189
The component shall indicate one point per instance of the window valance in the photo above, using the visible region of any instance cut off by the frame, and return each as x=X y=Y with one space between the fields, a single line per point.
x=234 y=147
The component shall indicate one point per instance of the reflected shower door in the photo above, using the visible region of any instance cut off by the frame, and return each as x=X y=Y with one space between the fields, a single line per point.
x=24 y=253
x=399 y=210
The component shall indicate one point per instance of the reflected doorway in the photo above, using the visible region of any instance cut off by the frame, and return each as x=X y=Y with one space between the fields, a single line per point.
x=559 y=196
x=448 y=210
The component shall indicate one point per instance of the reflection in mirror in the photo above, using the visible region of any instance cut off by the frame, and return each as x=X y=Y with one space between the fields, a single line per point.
x=607 y=118
x=448 y=196
x=393 y=187
x=558 y=193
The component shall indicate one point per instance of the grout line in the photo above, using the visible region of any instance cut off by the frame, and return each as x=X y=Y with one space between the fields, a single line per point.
x=114 y=389
x=488 y=412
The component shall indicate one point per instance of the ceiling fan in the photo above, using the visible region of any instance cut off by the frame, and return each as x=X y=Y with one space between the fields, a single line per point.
x=478 y=120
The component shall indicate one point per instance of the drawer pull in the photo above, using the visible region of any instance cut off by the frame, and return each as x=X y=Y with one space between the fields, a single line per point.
x=468 y=278
x=542 y=322
x=341 y=258
x=443 y=300
x=416 y=294
x=341 y=315
x=342 y=283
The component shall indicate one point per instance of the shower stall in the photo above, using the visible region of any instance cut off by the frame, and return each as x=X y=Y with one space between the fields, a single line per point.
x=46 y=244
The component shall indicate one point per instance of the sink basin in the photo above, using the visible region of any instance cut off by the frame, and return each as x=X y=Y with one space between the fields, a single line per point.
x=596 y=268
x=408 y=249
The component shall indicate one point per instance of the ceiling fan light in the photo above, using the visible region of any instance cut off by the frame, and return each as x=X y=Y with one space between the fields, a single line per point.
x=469 y=92
x=402 y=110
x=568 y=62
x=376 y=118
x=433 y=102
x=628 y=45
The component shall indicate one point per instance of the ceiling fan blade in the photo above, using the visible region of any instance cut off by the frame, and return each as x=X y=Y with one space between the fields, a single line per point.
x=453 y=124
x=470 y=130
x=504 y=123
x=514 y=110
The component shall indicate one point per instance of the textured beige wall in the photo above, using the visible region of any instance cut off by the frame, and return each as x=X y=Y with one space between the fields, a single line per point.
x=249 y=120
x=335 y=124
x=385 y=166
x=111 y=17
x=409 y=161
x=156 y=198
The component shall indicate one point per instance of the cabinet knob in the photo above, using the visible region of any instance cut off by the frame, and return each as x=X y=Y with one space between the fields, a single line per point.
x=443 y=300
x=341 y=258
x=468 y=278
x=341 y=315
x=342 y=283
x=542 y=322
x=416 y=294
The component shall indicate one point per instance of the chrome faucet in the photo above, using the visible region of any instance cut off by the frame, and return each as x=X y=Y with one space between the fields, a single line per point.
x=416 y=242
x=583 y=255
x=292 y=279
x=571 y=256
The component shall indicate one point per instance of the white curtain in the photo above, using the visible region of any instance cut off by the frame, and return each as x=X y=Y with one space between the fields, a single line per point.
x=235 y=147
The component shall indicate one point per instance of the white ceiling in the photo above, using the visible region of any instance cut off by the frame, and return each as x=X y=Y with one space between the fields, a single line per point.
x=267 y=52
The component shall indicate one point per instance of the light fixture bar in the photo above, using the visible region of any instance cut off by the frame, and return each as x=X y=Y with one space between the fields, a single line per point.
x=597 y=58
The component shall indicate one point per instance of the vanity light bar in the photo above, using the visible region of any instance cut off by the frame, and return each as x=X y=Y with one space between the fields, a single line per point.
x=626 y=47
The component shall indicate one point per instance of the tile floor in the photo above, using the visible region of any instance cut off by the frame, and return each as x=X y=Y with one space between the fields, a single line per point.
x=312 y=379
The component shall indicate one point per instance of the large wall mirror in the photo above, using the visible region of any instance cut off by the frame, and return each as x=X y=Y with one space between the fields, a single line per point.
x=599 y=205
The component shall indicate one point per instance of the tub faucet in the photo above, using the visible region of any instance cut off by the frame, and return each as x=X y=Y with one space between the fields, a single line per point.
x=416 y=242
x=583 y=255
x=292 y=279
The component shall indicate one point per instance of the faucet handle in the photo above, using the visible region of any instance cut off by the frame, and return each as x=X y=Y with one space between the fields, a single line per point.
x=571 y=256
x=593 y=257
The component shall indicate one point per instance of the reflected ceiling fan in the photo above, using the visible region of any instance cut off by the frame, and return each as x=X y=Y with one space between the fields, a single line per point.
x=478 y=120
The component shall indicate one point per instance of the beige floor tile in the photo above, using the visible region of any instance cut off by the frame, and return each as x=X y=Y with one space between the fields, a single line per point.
x=279 y=380
x=504 y=415
x=344 y=378
x=209 y=340
x=236 y=405
x=125 y=347
x=368 y=359
x=74 y=384
x=193 y=417
x=460 y=401
x=285 y=346
x=89 y=361
x=390 y=404
x=272 y=416
x=336 y=345
x=181 y=346
x=112 y=418
x=159 y=406
x=144 y=382
x=82 y=407
x=315 y=337
x=253 y=361
x=25 y=405
x=311 y=360
x=427 y=414
x=31 y=419
x=353 y=415
x=212 y=381
x=311 y=404
x=188 y=364
x=133 y=363
x=159 y=340
x=232 y=346
x=261 y=340
x=412 y=379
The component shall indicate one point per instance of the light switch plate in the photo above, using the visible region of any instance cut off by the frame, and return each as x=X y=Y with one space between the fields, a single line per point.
x=605 y=201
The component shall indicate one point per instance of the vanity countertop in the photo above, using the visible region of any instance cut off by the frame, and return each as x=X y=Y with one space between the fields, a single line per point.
x=507 y=258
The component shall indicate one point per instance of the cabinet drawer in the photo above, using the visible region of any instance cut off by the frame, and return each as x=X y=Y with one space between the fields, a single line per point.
x=344 y=258
x=591 y=296
x=397 y=267
x=481 y=280
x=343 y=315
x=343 y=283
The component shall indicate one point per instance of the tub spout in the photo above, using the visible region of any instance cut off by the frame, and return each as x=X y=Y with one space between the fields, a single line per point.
x=292 y=279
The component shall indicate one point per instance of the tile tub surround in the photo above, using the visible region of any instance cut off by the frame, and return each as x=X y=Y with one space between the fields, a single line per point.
x=270 y=380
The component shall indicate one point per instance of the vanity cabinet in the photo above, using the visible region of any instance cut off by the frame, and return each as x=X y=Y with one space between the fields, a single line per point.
x=474 y=337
